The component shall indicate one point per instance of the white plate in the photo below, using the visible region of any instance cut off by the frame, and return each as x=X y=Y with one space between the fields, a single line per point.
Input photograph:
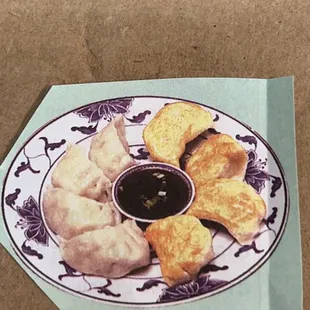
x=37 y=246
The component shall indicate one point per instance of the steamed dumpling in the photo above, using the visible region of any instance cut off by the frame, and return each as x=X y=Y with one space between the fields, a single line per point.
x=69 y=215
x=109 y=149
x=77 y=174
x=110 y=252
x=218 y=157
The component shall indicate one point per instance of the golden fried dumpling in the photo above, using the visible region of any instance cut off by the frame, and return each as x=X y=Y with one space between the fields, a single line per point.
x=232 y=203
x=69 y=215
x=218 y=157
x=77 y=174
x=109 y=149
x=172 y=127
x=183 y=246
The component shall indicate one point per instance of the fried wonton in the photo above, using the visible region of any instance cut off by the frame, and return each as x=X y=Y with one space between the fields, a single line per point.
x=232 y=203
x=218 y=157
x=172 y=127
x=183 y=246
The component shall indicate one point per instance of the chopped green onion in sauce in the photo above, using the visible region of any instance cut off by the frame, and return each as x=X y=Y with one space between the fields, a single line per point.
x=153 y=194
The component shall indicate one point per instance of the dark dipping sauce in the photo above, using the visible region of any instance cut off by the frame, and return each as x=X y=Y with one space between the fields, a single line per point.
x=153 y=193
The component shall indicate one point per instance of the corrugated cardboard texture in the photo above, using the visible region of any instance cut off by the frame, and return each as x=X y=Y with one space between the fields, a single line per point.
x=54 y=42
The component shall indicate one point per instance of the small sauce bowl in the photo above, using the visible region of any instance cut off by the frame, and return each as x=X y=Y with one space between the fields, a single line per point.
x=151 y=191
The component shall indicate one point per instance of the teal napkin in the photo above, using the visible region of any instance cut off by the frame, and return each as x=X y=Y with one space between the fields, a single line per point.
x=268 y=107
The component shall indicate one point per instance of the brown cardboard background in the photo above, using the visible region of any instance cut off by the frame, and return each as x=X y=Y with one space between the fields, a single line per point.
x=54 y=42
